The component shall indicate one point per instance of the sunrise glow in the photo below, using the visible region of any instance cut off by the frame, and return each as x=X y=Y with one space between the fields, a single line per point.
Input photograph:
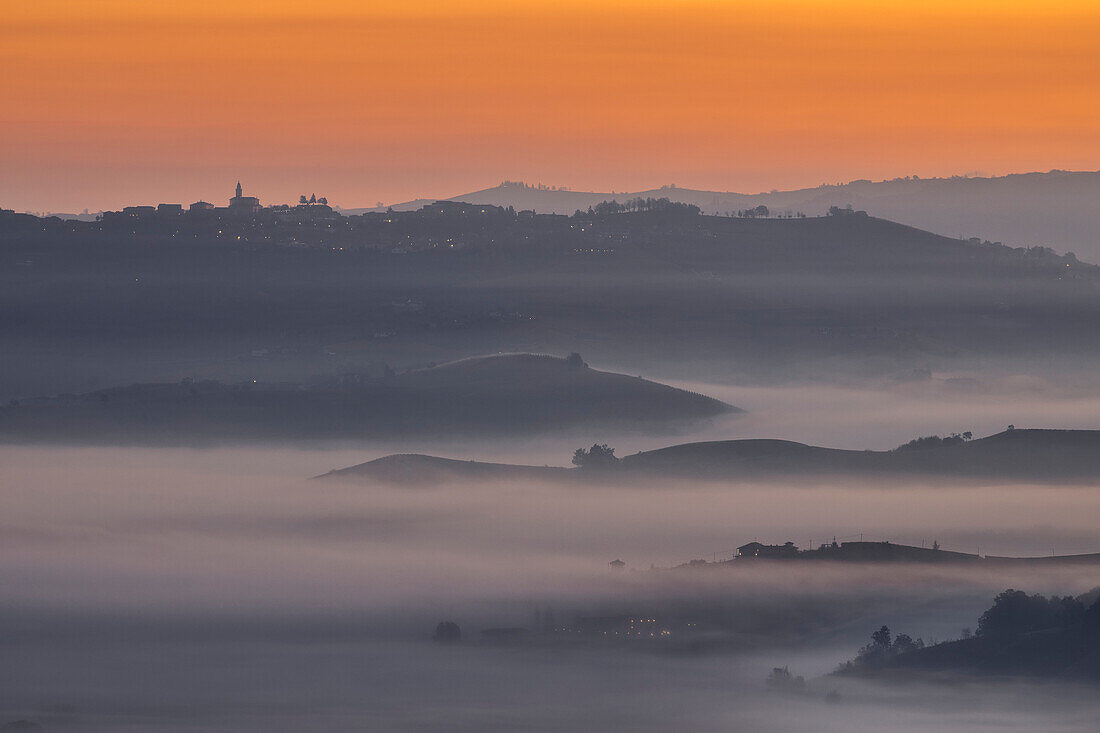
x=112 y=102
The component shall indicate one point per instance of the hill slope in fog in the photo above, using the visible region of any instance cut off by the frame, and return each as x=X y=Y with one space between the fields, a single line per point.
x=414 y=468
x=510 y=394
x=1025 y=455
x=1021 y=634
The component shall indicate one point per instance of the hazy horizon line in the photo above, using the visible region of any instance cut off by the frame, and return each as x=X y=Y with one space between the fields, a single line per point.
x=613 y=191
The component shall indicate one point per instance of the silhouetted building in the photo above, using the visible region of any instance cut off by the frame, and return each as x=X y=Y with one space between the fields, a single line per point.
x=243 y=204
x=201 y=206
x=758 y=549
x=169 y=208
x=138 y=211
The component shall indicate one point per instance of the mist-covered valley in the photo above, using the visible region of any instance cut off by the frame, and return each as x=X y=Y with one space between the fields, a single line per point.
x=622 y=470
x=225 y=589
x=671 y=430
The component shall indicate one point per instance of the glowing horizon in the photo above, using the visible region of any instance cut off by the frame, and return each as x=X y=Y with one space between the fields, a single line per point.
x=120 y=102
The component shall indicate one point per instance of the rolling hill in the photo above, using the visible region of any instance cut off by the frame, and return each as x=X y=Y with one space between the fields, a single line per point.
x=416 y=469
x=1055 y=209
x=507 y=394
x=1021 y=454
x=88 y=306
x=1013 y=455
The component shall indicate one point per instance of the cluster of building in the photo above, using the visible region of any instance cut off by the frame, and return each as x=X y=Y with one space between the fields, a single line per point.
x=239 y=205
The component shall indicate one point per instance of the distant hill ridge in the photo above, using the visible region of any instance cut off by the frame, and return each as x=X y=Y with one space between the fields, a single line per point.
x=706 y=297
x=1024 y=452
x=1021 y=454
x=1056 y=208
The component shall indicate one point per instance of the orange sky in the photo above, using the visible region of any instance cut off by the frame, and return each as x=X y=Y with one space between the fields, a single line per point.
x=107 y=102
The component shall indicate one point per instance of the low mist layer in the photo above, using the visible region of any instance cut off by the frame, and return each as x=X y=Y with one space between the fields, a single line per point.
x=139 y=582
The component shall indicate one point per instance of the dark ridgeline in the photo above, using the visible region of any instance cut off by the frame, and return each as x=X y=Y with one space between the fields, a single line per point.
x=1056 y=208
x=246 y=292
x=1021 y=454
x=1013 y=455
x=512 y=394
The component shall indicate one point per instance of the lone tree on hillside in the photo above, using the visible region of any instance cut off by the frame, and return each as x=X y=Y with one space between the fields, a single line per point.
x=447 y=632
x=598 y=456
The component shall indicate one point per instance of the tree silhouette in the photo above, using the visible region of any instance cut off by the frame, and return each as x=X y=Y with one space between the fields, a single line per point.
x=904 y=643
x=598 y=456
x=1015 y=612
x=447 y=632
x=881 y=637
x=781 y=679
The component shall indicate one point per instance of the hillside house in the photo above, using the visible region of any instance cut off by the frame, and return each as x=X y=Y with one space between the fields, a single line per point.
x=760 y=550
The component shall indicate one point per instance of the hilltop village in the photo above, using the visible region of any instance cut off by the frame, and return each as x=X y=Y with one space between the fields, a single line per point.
x=598 y=232
x=314 y=223
x=245 y=291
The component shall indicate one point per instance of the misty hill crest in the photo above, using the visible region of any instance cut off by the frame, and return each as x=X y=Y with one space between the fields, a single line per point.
x=415 y=468
x=515 y=393
x=1019 y=454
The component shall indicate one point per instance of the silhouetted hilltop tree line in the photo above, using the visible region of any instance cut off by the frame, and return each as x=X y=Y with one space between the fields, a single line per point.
x=662 y=205
x=935 y=441
x=1014 y=612
x=761 y=212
